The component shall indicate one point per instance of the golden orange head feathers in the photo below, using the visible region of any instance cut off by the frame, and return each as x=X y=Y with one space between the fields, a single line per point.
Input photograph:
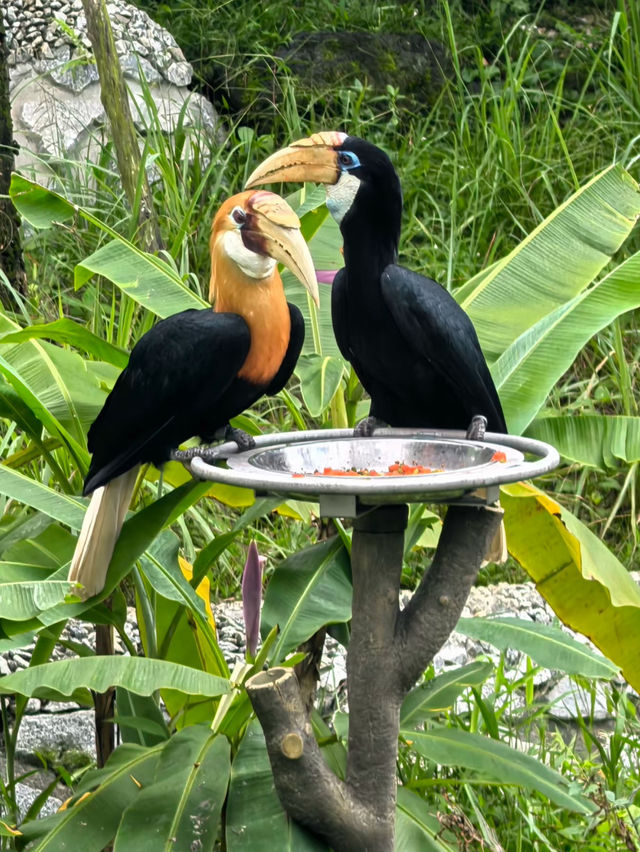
x=252 y=230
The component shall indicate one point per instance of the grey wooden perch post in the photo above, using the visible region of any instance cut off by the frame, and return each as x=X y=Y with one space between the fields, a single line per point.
x=388 y=651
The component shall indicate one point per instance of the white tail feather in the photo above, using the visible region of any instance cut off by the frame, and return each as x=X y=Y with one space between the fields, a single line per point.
x=100 y=530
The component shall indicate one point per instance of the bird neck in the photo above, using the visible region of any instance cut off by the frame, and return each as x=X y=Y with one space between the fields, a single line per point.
x=262 y=304
x=368 y=250
x=371 y=232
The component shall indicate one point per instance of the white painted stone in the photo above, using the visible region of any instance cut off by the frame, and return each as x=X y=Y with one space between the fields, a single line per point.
x=54 y=84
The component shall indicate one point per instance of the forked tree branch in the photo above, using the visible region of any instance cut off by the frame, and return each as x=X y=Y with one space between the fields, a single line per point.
x=388 y=651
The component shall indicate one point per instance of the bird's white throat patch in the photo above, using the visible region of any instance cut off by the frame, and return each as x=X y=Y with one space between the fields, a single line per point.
x=340 y=195
x=253 y=265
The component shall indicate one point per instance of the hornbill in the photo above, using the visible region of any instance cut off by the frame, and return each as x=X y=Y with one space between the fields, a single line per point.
x=412 y=346
x=195 y=370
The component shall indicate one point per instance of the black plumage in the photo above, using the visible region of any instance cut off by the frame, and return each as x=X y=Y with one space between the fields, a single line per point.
x=412 y=346
x=194 y=371
x=181 y=381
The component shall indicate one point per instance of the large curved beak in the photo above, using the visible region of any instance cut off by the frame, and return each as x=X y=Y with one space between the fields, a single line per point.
x=277 y=231
x=311 y=159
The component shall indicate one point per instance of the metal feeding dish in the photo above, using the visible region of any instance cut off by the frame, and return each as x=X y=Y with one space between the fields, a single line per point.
x=342 y=472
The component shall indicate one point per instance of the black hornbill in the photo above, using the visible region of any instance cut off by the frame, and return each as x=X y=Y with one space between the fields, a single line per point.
x=195 y=370
x=412 y=346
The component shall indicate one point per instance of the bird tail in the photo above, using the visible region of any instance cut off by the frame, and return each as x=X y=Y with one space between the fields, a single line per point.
x=100 y=530
x=497 y=551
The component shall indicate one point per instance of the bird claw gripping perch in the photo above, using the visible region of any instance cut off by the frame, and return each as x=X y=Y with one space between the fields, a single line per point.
x=367 y=427
x=477 y=428
x=243 y=439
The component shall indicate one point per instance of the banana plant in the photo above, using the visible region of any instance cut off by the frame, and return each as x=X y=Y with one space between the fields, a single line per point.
x=534 y=311
x=223 y=763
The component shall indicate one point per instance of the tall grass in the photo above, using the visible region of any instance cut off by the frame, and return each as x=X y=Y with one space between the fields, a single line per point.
x=533 y=108
x=524 y=120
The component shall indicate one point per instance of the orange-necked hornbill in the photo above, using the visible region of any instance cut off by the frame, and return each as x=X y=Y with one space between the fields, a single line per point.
x=412 y=346
x=195 y=370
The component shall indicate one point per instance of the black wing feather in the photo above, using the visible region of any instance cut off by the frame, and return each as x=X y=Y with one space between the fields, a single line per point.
x=174 y=386
x=438 y=330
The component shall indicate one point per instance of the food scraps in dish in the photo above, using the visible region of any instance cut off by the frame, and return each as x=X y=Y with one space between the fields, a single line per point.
x=395 y=469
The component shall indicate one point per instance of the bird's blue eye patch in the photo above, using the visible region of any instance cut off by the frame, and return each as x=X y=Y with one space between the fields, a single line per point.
x=348 y=160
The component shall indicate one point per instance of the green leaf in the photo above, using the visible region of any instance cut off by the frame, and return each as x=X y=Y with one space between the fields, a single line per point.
x=90 y=823
x=588 y=588
x=180 y=810
x=137 y=674
x=21 y=641
x=184 y=633
x=320 y=378
x=41 y=207
x=441 y=692
x=548 y=646
x=31 y=492
x=555 y=262
x=133 y=712
x=20 y=572
x=595 y=440
x=160 y=566
x=526 y=371
x=219 y=544
x=417 y=828
x=455 y=747
x=67 y=331
x=19 y=601
x=147 y=280
x=309 y=589
x=255 y=820
x=46 y=551
x=333 y=750
x=64 y=391
x=31 y=371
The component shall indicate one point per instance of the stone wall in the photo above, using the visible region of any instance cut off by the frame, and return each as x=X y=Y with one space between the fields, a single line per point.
x=56 y=108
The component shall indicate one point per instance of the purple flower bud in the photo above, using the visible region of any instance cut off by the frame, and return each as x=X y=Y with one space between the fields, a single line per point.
x=252 y=596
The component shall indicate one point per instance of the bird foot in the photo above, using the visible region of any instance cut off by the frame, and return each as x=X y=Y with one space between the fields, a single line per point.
x=365 y=428
x=243 y=439
x=185 y=456
x=477 y=428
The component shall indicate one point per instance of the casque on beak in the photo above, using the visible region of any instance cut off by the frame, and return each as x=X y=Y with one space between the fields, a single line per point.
x=277 y=231
x=313 y=158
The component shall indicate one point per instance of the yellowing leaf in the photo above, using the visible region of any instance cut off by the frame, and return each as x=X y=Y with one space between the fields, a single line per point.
x=10 y=830
x=175 y=474
x=587 y=587
x=203 y=590
x=299 y=510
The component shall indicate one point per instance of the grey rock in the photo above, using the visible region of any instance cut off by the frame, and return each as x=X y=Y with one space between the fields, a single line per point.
x=568 y=701
x=412 y=64
x=26 y=794
x=179 y=73
x=56 y=107
x=27 y=790
x=58 y=733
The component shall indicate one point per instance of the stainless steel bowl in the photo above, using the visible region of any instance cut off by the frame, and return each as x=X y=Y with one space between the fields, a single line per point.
x=288 y=465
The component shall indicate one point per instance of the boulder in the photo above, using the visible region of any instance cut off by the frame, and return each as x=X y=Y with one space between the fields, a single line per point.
x=413 y=65
x=55 y=93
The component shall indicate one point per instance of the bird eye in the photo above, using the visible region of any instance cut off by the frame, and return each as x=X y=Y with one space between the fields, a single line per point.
x=238 y=215
x=348 y=160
